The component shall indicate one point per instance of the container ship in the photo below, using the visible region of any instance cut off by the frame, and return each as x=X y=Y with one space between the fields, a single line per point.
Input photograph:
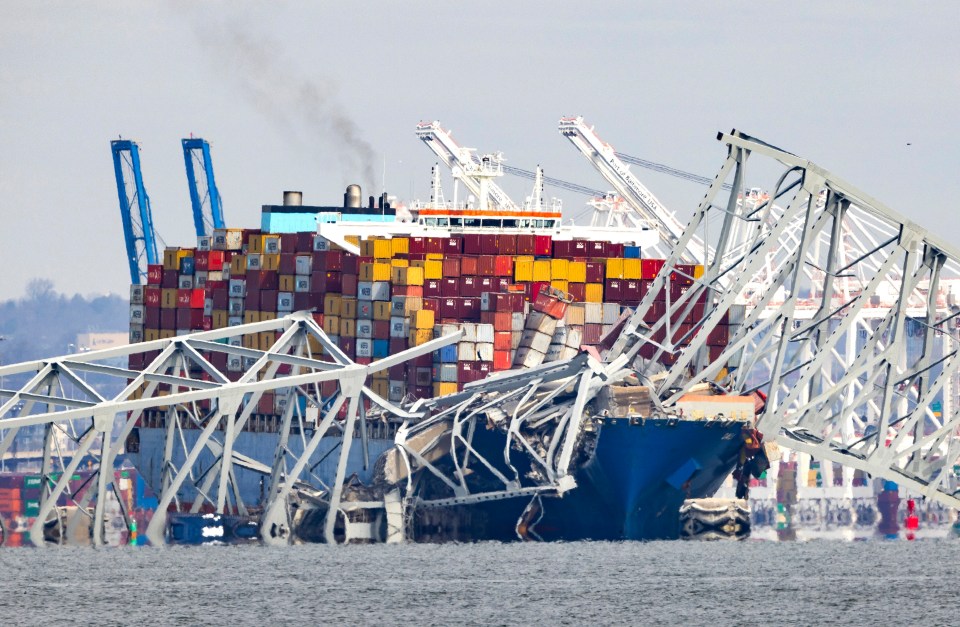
x=524 y=289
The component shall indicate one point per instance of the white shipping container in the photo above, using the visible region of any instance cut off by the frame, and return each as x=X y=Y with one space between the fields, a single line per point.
x=399 y=327
x=364 y=347
x=204 y=242
x=271 y=245
x=485 y=351
x=527 y=358
x=469 y=331
x=485 y=333
x=467 y=351
x=574 y=314
x=320 y=243
x=592 y=313
x=215 y=275
x=540 y=342
x=280 y=403
x=364 y=329
x=542 y=323
x=234 y=363
x=560 y=335
x=611 y=312
x=446 y=329
x=365 y=290
x=233 y=239
x=397 y=390
x=304 y=265
x=136 y=333
x=235 y=307
x=301 y=285
x=208 y=306
x=234 y=321
x=515 y=340
x=136 y=294
x=568 y=352
x=253 y=261
x=200 y=279
x=574 y=337
x=236 y=340
x=237 y=288
x=553 y=352
x=448 y=373
x=219 y=241
x=137 y=313
x=185 y=282
x=285 y=301
x=380 y=290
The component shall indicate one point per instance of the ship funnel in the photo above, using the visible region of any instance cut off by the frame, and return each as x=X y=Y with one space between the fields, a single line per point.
x=292 y=199
x=352 y=197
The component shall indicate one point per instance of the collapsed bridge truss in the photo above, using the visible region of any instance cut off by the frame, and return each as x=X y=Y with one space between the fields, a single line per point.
x=823 y=333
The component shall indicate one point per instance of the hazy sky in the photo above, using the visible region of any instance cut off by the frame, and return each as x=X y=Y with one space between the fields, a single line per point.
x=312 y=96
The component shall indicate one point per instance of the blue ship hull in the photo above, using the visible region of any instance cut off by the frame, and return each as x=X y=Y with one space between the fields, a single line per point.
x=629 y=488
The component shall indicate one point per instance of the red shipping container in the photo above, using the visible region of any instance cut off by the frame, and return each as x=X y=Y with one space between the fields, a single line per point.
x=543 y=246
x=649 y=268
x=201 y=260
x=578 y=291
x=197 y=296
x=503 y=284
x=170 y=279
x=536 y=287
x=432 y=289
x=207 y=323
x=381 y=329
x=265 y=404
x=154 y=274
x=469 y=266
x=502 y=321
x=552 y=306
x=488 y=244
x=451 y=267
x=449 y=287
x=488 y=265
x=408 y=290
x=507 y=244
x=215 y=260
x=288 y=263
x=151 y=296
x=502 y=340
x=502 y=360
x=183 y=298
x=471 y=244
x=526 y=244
x=613 y=291
x=503 y=266
x=449 y=307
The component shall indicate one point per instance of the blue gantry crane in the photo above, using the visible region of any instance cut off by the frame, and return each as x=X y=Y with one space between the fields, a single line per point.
x=207 y=208
x=134 y=209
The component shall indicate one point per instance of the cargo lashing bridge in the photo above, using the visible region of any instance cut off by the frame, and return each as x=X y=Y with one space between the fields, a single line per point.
x=873 y=413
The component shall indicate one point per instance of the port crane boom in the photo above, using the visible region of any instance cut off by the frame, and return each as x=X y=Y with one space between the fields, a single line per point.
x=204 y=196
x=604 y=158
x=134 y=209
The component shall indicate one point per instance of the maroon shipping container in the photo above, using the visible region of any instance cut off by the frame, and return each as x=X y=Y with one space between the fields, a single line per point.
x=151 y=317
x=168 y=319
x=543 y=246
x=432 y=303
x=381 y=329
x=418 y=245
x=288 y=263
x=268 y=300
x=488 y=244
x=597 y=249
x=170 y=279
x=350 y=264
x=189 y=319
x=526 y=244
x=578 y=291
x=630 y=293
x=303 y=301
x=288 y=243
x=595 y=272
x=592 y=333
x=613 y=291
x=449 y=307
x=471 y=244
x=452 y=246
x=470 y=308
x=434 y=245
x=348 y=284
x=432 y=288
x=449 y=287
x=507 y=244
x=304 y=242
x=451 y=267
x=151 y=296
x=154 y=274
x=201 y=260
x=467 y=372
x=398 y=344
x=469 y=286
x=720 y=336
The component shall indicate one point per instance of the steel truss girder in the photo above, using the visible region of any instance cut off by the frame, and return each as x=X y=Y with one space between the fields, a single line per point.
x=55 y=397
x=822 y=330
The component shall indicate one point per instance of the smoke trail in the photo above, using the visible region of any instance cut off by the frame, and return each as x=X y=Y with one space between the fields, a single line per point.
x=302 y=106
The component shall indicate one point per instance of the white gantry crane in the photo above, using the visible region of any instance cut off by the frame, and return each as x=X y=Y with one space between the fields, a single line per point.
x=646 y=208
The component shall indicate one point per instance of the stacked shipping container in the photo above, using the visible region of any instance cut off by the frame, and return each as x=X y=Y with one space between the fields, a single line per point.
x=520 y=299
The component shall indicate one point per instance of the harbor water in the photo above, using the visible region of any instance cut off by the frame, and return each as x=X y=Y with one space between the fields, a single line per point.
x=723 y=583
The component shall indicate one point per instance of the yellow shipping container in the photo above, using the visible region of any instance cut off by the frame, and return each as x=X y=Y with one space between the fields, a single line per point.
x=287 y=282
x=331 y=305
x=168 y=298
x=577 y=272
x=399 y=263
x=559 y=268
x=523 y=270
x=348 y=328
x=380 y=387
x=541 y=270
x=434 y=257
x=250 y=341
x=559 y=284
x=255 y=244
x=593 y=293
x=267 y=340
x=444 y=388
x=348 y=308
x=631 y=269
x=614 y=268
x=433 y=269
x=381 y=310
x=375 y=271
x=381 y=374
x=400 y=245
x=220 y=318
x=352 y=239
x=331 y=325
x=251 y=316
x=423 y=319
x=407 y=276
x=270 y=262
x=267 y=315
x=420 y=336
x=698 y=271
x=150 y=335
x=315 y=347
x=238 y=265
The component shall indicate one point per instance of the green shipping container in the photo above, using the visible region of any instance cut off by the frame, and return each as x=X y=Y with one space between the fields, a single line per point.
x=31 y=508
x=31 y=481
